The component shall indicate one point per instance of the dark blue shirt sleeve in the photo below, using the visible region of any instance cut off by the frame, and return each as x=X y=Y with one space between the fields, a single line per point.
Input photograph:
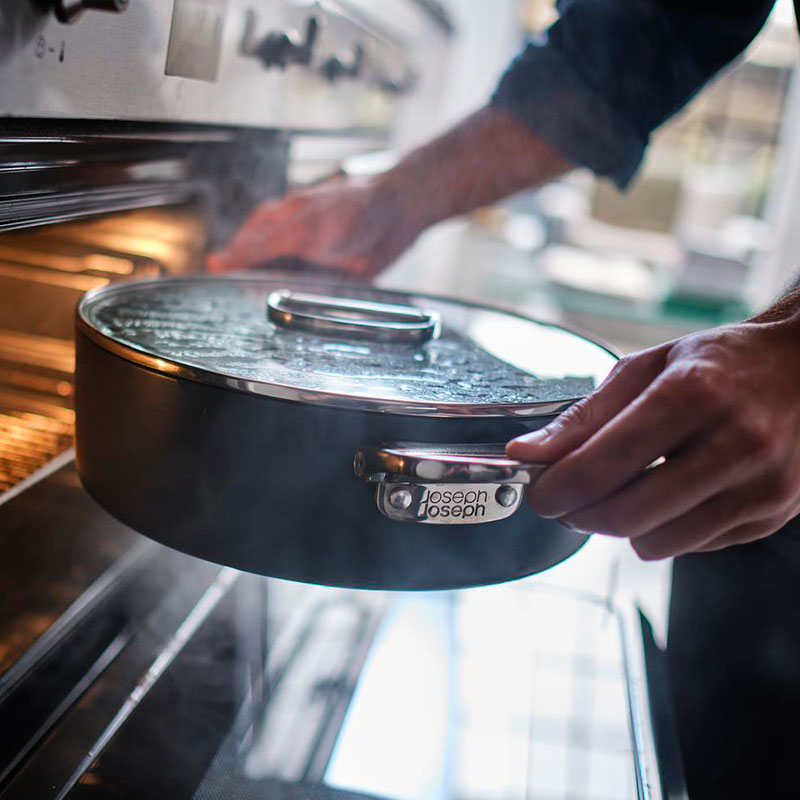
x=609 y=72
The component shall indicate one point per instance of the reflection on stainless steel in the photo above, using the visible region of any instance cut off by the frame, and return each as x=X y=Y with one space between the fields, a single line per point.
x=215 y=330
x=404 y=462
x=43 y=274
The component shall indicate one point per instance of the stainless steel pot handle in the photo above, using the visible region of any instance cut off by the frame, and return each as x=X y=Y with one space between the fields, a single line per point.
x=445 y=484
x=349 y=318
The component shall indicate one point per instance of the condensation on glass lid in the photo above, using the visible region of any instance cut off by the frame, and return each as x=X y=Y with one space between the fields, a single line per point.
x=219 y=327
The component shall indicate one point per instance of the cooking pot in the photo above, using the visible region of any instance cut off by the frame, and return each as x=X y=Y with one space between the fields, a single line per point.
x=321 y=431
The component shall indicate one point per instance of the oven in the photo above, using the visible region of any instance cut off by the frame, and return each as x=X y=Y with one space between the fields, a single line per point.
x=134 y=136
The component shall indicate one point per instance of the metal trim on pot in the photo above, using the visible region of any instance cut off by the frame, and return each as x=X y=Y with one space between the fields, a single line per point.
x=317 y=397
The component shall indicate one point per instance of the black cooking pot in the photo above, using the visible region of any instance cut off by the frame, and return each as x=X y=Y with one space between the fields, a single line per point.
x=350 y=438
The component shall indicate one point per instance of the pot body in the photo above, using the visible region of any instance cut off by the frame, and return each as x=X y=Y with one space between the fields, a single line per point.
x=267 y=485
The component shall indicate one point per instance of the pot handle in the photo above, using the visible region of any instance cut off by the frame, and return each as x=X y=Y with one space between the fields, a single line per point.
x=349 y=318
x=445 y=484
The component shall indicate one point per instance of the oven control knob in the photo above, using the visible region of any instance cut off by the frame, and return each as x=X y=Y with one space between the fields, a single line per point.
x=280 y=48
x=397 y=85
x=343 y=66
x=70 y=10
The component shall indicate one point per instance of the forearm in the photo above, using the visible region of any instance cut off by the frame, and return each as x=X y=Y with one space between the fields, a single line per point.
x=486 y=157
x=609 y=72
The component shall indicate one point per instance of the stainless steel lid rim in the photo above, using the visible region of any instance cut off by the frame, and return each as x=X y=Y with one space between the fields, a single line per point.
x=316 y=396
x=289 y=394
x=450 y=429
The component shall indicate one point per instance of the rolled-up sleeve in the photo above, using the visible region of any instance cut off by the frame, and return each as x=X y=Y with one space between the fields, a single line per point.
x=608 y=72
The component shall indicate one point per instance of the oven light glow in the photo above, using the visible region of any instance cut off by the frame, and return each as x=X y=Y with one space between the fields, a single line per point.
x=102 y=263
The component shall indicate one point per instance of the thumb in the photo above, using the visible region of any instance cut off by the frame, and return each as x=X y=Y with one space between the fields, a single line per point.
x=583 y=419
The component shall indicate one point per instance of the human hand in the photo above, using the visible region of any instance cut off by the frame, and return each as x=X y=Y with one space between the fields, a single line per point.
x=722 y=407
x=357 y=227
x=363 y=227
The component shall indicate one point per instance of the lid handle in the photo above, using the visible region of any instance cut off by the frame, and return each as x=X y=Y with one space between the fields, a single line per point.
x=349 y=318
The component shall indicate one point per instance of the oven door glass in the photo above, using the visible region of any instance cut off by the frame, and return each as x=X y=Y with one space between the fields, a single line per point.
x=130 y=670
x=43 y=273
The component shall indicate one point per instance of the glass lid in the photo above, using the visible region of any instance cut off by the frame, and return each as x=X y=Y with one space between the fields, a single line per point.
x=345 y=346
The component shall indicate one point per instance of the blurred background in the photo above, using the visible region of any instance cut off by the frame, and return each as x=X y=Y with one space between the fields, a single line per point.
x=706 y=234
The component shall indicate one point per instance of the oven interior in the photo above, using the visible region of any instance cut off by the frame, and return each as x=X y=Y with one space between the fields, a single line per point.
x=87 y=205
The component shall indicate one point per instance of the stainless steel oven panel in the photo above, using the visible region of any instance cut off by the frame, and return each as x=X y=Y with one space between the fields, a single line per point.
x=224 y=59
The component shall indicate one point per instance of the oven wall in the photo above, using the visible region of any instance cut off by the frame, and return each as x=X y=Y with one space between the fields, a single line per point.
x=207 y=61
x=101 y=202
